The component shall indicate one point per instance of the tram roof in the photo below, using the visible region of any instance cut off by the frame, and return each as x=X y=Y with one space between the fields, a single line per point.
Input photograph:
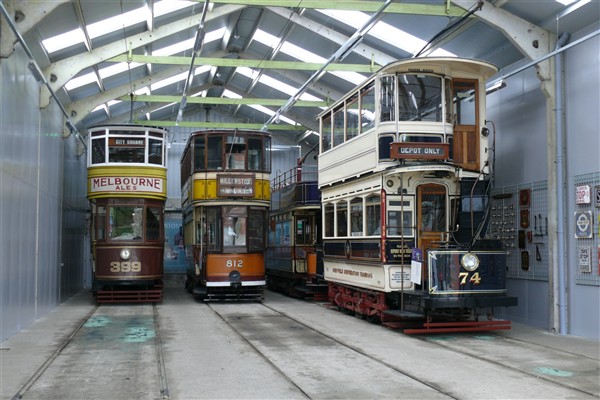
x=113 y=62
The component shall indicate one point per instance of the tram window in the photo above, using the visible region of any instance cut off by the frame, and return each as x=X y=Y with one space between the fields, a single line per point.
x=352 y=114
x=254 y=154
x=356 y=217
x=257 y=223
x=433 y=213
x=234 y=228
x=413 y=138
x=126 y=154
x=338 y=127
x=464 y=104
x=329 y=220
x=420 y=98
x=326 y=133
x=153 y=223
x=373 y=209
x=213 y=229
x=199 y=153
x=101 y=223
x=267 y=154
x=155 y=151
x=125 y=223
x=367 y=108
x=303 y=231
x=215 y=152
x=98 y=150
x=342 y=219
x=384 y=147
x=386 y=100
x=399 y=223
x=236 y=156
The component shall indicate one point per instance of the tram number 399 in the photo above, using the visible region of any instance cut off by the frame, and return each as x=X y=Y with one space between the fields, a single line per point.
x=125 y=266
x=467 y=277
x=234 y=264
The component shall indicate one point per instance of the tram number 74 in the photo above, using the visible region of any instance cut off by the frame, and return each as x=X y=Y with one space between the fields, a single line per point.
x=465 y=277
x=125 y=266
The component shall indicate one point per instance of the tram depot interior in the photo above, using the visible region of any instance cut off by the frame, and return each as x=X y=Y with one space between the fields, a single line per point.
x=275 y=65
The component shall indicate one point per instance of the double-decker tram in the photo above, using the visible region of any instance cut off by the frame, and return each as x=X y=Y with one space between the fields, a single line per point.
x=294 y=256
x=405 y=174
x=127 y=191
x=225 y=203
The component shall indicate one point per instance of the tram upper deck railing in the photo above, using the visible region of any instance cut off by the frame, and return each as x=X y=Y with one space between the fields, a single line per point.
x=295 y=187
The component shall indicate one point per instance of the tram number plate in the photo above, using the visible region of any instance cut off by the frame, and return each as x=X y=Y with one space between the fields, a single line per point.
x=467 y=277
x=125 y=266
x=234 y=264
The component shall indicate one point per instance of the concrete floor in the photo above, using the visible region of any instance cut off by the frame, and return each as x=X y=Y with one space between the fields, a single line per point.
x=287 y=350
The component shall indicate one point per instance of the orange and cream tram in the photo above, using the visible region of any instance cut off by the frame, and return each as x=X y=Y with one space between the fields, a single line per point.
x=127 y=191
x=225 y=202
x=405 y=173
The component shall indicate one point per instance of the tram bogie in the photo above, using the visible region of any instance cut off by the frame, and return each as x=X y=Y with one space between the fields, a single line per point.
x=127 y=192
x=405 y=175
x=225 y=200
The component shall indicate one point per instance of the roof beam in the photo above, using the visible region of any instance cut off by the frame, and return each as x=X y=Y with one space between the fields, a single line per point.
x=221 y=100
x=64 y=70
x=221 y=125
x=531 y=40
x=233 y=62
x=354 y=5
x=26 y=15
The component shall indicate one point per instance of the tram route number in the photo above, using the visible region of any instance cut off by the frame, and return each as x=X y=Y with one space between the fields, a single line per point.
x=465 y=277
x=234 y=263
x=125 y=266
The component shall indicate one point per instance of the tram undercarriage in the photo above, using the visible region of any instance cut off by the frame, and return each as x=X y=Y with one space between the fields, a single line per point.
x=417 y=312
x=143 y=292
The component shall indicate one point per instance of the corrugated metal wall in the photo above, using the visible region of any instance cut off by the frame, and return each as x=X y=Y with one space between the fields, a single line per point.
x=32 y=150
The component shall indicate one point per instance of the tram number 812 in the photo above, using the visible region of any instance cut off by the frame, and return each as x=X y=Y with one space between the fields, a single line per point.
x=234 y=263
x=125 y=266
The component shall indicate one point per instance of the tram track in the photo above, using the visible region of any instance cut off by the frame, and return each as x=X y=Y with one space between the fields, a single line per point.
x=102 y=356
x=548 y=370
x=272 y=349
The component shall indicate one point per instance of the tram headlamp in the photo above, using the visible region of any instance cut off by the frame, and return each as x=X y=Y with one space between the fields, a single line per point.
x=125 y=254
x=470 y=262
x=235 y=277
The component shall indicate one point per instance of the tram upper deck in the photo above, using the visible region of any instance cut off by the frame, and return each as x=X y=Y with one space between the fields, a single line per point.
x=127 y=161
x=409 y=112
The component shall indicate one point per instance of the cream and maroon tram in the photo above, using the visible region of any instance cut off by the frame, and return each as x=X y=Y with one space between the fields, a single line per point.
x=225 y=202
x=405 y=175
x=127 y=190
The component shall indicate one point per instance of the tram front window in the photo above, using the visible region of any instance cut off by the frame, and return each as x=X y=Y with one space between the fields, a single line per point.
x=125 y=223
x=234 y=229
x=153 y=223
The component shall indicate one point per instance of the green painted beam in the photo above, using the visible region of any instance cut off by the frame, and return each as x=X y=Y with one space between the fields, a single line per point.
x=221 y=125
x=222 y=100
x=229 y=62
x=355 y=5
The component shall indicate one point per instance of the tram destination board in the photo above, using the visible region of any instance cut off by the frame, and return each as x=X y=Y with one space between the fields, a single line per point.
x=236 y=185
x=427 y=151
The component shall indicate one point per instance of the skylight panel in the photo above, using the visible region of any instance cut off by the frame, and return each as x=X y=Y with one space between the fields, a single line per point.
x=566 y=2
x=63 y=40
x=383 y=31
x=231 y=95
x=304 y=55
x=168 y=6
x=81 y=81
x=275 y=84
x=117 y=22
